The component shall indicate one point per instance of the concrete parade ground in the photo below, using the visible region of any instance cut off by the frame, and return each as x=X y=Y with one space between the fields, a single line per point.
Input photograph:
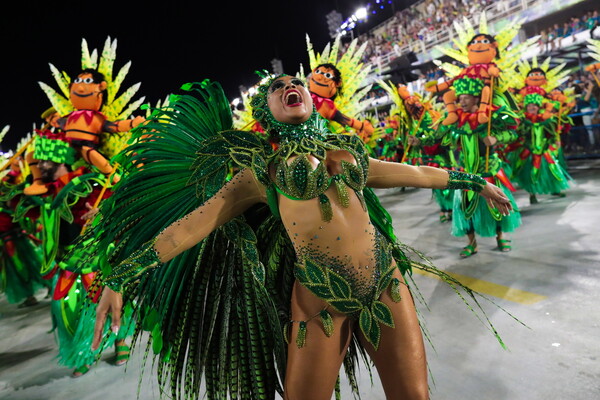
x=550 y=282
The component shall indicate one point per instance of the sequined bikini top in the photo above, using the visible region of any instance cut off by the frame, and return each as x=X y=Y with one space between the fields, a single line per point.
x=298 y=180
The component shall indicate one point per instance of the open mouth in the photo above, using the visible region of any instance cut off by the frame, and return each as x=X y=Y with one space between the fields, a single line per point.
x=292 y=98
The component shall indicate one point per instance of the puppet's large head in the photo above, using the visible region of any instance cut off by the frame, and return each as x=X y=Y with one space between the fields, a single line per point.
x=536 y=77
x=87 y=91
x=325 y=81
x=482 y=49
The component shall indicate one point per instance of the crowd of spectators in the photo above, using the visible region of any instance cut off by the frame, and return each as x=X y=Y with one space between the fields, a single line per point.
x=551 y=37
x=418 y=24
x=415 y=24
x=585 y=133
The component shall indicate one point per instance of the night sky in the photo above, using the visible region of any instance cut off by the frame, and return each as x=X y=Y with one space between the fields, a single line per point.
x=168 y=45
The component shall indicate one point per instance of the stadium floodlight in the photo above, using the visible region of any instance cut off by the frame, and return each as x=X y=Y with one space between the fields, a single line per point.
x=361 y=13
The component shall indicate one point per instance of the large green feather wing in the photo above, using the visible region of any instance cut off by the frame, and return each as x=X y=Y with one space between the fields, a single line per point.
x=210 y=311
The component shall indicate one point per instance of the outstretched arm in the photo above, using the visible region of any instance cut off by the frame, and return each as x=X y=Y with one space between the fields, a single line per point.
x=383 y=174
x=234 y=198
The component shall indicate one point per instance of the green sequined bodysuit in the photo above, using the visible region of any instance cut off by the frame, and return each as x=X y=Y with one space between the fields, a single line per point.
x=347 y=288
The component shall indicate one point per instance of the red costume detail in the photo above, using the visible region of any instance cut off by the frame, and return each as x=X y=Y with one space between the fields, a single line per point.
x=87 y=114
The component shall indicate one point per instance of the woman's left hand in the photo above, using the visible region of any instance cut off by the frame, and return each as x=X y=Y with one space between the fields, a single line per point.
x=496 y=198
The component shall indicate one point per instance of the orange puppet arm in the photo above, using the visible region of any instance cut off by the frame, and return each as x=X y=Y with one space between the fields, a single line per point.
x=494 y=71
x=126 y=125
x=593 y=67
x=363 y=127
x=435 y=87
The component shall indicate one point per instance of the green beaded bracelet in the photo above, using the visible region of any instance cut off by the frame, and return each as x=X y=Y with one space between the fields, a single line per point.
x=461 y=180
x=133 y=267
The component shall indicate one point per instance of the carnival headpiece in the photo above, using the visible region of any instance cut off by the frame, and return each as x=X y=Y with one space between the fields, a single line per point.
x=314 y=126
x=468 y=86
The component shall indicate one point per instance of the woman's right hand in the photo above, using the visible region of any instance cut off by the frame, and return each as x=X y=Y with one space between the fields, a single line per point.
x=111 y=303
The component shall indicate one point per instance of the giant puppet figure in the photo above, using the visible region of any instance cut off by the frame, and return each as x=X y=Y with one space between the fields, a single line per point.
x=91 y=112
x=337 y=86
x=536 y=160
x=484 y=120
x=482 y=50
x=594 y=52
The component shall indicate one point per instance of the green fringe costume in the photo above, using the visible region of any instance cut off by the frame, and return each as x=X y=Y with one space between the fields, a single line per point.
x=538 y=166
x=74 y=298
x=20 y=260
x=20 y=250
x=70 y=272
x=471 y=213
x=218 y=312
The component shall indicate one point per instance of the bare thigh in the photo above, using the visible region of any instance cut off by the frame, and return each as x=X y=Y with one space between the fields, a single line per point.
x=400 y=358
x=312 y=370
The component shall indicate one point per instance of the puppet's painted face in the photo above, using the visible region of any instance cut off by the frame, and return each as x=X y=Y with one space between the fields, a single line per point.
x=482 y=50
x=85 y=94
x=536 y=78
x=322 y=82
x=289 y=100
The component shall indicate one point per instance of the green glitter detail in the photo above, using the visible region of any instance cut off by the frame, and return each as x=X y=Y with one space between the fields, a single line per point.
x=468 y=86
x=54 y=150
x=461 y=180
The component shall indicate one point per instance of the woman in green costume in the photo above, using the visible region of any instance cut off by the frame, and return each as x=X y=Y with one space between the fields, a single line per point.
x=475 y=141
x=262 y=243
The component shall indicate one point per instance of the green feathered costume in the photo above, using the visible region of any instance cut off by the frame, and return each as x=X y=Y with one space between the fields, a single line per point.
x=470 y=212
x=216 y=312
x=538 y=166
